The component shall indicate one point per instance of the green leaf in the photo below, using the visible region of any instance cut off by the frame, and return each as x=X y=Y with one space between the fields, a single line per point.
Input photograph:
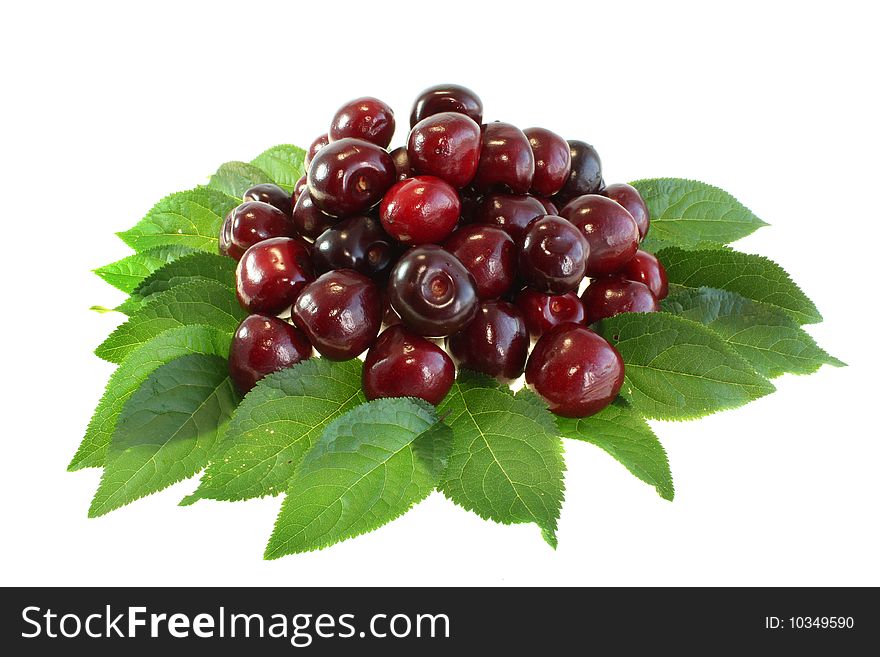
x=677 y=369
x=283 y=163
x=127 y=274
x=191 y=218
x=201 y=302
x=751 y=276
x=693 y=214
x=166 y=430
x=506 y=463
x=762 y=334
x=626 y=436
x=369 y=467
x=276 y=424
x=133 y=371
x=235 y=178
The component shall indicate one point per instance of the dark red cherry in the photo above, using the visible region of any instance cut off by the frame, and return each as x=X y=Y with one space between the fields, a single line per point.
x=446 y=98
x=225 y=246
x=301 y=185
x=271 y=274
x=506 y=160
x=402 y=167
x=340 y=312
x=432 y=292
x=350 y=176
x=586 y=172
x=511 y=212
x=489 y=254
x=576 y=371
x=250 y=223
x=420 y=210
x=549 y=206
x=553 y=255
x=542 y=312
x=357 y=243
x=646 y=268
x=629 y=197
x=308 y=218
x=263 y=344
x=403 y=364
x=271 y=194
x=552 y=161
x=611 y=231
x=496 y=342
x=364 y=118
x=607 y=297
x=314 y=147
x=446 y=145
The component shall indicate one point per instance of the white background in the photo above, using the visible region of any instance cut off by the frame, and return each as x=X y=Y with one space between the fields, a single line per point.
x=108 y=107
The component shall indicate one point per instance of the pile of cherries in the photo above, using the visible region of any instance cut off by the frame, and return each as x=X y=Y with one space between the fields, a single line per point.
x=479 y=233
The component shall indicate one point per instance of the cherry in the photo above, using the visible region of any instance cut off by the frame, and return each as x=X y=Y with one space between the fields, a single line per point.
x=552 y=161
x=308 y=219
x=607 y=297
x=629 y=197
x=250 y=223
x=553 y=257
x=357 y=243
x=506 y=160
x=298 y=188
x=586 y=172
x=263 y=344
x=544 y=311
x=611 y=231
x=646 y=268
x=271 y=274
x=349 y=176
x=364 y=118
x=446 y=145
x=576 y=371
x=496 y=342
x=431 y=290
x=447 y=98
x=400 y=157
x=403 y=364
x=420 y=210
x=512 y=212
x=271 y=194
x=340 y=312
x=314 y=147
x=489 y=254
x=549 y=206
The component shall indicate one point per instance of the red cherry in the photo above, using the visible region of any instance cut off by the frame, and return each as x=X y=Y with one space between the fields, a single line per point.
x=263 y=344
x=552 y=161
x=271 y=274
x=607 y=297
x=489 y=254
x=646 y=268
x=420 y=210
x=544 y=311
x=446 y=145
x=506 y=160
x=611 y=231
x=495 y=343
x=629 y=197
x=364 y=118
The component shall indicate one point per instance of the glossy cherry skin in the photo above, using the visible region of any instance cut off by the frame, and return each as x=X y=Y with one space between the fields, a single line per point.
x=308 y=219
x=271 y=194
x=506 y=160
x=553 y=255
x=511 y=212
x=489 y=254
x=357 y=243
x=549 y=206
x=542 y=312
x=402 y=166
x=364 y=118
x=610 y=296
x=495 y=343
x=576 y=371
x=446 y=145
x=552 y=161
x=447 y=98
x=299 y=187
x=420 y=210
x=586 y=172
x=646 y=268
x=629 y=197
x=611 y=231
x=432 y=292
x=350 y=176
x=314 y=147
x=271 y=274
x=403 y=364
x=263 y=344
x=250 y=223
x=340 y=312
